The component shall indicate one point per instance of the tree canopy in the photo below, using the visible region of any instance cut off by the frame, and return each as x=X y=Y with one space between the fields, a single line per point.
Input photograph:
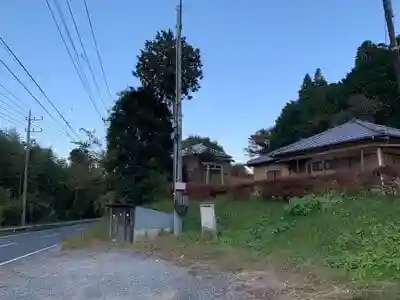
x=206 y=141
x=368 y=92
x=57 y=189
x=157 y=62
x=139 y=137
x=139 y=145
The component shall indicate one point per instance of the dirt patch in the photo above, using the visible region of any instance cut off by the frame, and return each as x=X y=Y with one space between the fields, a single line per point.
x=263 y=279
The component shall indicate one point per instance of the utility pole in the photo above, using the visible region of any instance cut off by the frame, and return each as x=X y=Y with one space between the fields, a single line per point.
x=29 y=130
x=177 y=113
x=388 y=9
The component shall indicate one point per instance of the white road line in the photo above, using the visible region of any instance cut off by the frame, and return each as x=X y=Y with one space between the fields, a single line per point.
x=26 y=255
x=7 y=245
x=37 y=231
x=24 y=233
x=49 y=235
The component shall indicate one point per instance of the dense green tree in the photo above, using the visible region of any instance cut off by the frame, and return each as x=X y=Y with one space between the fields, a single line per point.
x=259 y=142
x=319 y=79
x=51 y=196
x=156 y=66
x=139 y=145
x=206 y=141
x=369 y=92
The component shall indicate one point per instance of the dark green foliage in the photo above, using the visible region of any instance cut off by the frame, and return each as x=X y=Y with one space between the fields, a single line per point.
x=369 y=92
x=139 y=145
x=259 y=142
x=303 y=206
x=156 y=66
x=139 y=138
x=56 y=190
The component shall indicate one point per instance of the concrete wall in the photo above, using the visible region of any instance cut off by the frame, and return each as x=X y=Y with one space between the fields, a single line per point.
x=146 y=218
x=260 y=172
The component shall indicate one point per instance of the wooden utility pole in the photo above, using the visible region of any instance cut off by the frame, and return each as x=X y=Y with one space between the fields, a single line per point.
x=388 y=9
x=29 y=130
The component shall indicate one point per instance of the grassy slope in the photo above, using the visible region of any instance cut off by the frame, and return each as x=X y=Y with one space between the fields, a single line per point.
x=356 y=238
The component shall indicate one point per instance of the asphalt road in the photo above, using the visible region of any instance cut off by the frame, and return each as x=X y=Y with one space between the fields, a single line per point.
x=33 y=268
x=18 y=246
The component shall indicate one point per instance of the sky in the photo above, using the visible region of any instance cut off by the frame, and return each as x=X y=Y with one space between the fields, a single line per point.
x=255 y=55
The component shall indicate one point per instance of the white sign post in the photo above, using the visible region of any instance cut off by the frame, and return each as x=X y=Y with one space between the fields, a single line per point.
x=208 y=221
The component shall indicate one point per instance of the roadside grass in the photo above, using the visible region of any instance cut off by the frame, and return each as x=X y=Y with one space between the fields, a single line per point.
x=348 y=242
x=353 y=241
x=95 y=236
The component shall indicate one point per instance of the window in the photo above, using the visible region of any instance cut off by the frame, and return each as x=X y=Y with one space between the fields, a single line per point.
x=273 y=174
x=330 y=164
x=317 y=166
x=212 y=166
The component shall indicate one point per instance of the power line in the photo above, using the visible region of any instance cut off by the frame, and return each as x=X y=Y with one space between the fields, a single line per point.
x=75 y=64
x=84 y=52
x=37 y=85
x=35 y=98
x=16 y=99
x=15 y=107
x=13 y=113
x=97 y=49
x=10 y=119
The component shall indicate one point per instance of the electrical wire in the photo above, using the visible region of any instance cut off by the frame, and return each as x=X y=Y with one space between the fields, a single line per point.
x=75 y=64
x=15 y=107
x=13 y=102
x=37 y=85
x=35 y=98
x=85 y=53
x=97 y=49
x=15 y=110
x=10 y=119
x=16 y=100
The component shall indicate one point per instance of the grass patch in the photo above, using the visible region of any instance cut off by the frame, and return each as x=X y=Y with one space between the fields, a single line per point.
x=95 y=235
x=354 y=240
x=332 y=239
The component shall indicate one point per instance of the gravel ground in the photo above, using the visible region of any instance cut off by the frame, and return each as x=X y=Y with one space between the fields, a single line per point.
x=116 y=275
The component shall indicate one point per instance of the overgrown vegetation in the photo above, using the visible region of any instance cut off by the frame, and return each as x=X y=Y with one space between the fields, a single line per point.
x=95 y=235
x=139 y=137
x=58 y=189
x=369 y=92
x=354 y=239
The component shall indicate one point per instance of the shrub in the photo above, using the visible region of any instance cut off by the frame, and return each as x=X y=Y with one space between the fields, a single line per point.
x=241 y=191
x=198 y=191
x=9 y=208
x=303 y=206
x=283 y=189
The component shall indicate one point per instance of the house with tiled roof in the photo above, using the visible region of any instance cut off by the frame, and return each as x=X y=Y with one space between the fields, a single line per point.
x=206 y=165
x=353 y=146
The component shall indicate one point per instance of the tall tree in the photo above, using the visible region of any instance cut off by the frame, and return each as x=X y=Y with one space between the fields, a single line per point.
x=259 y=143
x=50 y=194
x=139 y=145
x=368 y=91
x=156 y=66
x=319 y=79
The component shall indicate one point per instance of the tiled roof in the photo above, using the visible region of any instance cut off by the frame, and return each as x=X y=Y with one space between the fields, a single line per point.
x=201 y=148
x=353 y=130
x=259 y=160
